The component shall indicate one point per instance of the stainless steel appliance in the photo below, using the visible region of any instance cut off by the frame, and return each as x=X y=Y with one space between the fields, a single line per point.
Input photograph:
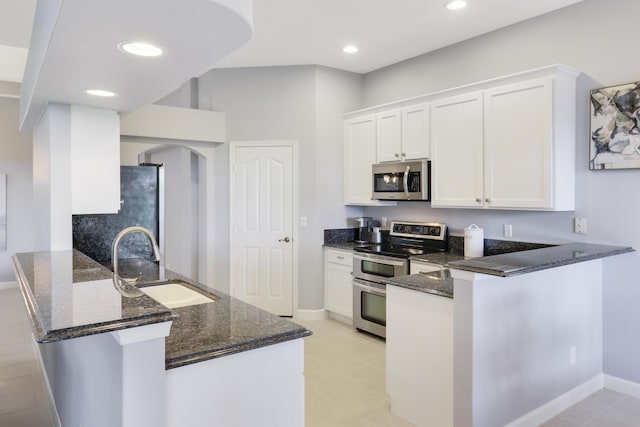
x=402 y=180
x=373 y=264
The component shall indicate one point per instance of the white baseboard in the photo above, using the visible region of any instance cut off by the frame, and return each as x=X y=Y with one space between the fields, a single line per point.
x=320 y=314
x=552 y=408
x=340 y=318
x=8 y=285
x=622 y=386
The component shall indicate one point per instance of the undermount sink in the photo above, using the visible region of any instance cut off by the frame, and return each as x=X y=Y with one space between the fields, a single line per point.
x=175 y=294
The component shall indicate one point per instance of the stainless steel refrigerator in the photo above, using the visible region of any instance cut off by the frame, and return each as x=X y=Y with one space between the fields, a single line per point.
x=140 y=204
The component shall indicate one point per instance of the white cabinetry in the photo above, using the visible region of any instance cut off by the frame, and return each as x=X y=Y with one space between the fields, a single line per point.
x=518 y=145
x=359 y=156
x=403 y=134
x=420 y=359
x=510 y=146
x=389 y=136
x=338 y=287
x=456 y=166
x=95 y=160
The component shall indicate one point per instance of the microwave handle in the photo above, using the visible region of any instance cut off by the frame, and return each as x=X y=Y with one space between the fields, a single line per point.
x=406 y=181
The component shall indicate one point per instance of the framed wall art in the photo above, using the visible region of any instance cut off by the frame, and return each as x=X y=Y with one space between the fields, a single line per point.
x=3 y=212
x=615 y=130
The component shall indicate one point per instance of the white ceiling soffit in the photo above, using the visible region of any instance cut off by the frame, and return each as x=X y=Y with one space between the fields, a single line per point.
x=74 y=46
x=12 y=60
x=296 y=32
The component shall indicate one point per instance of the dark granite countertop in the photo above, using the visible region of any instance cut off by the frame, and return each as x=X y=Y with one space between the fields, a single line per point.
x=69 y=295
x=515 y=263
x=441 y=258
x=347 y=246
x=434 y=282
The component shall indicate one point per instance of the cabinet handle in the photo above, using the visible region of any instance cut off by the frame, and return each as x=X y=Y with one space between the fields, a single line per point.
x=404 y=154
x=488 y=200
x=340 y=257
x=397 y=155
x=478 y=200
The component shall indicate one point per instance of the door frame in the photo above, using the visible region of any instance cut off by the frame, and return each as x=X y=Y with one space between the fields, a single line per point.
x=232 y=200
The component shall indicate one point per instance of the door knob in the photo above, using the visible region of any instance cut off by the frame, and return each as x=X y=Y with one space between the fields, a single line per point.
x=286 y=240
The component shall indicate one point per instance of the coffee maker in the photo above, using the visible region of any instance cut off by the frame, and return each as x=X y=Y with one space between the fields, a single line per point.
x=364 y=227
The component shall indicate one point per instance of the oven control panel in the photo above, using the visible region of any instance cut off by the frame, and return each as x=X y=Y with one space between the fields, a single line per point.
x=419 y=230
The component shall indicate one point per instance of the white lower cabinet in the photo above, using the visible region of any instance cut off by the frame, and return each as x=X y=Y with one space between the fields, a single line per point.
x=338 y=287
x=420 y=356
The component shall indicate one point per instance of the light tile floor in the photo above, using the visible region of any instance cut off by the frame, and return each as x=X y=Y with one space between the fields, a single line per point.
x=344 y=372
x=23 y=397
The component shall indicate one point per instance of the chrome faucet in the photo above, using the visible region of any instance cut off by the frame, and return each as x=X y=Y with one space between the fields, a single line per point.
x=114 y=251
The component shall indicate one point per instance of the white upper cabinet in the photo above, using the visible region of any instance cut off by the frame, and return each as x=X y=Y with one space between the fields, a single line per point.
x=403 y=134
x=95 y=160
x=389 y=136
x=359 y=156
x=457 y=151
x=415 y=132
x=510 y=146
x=518 y=146
x=504 y=143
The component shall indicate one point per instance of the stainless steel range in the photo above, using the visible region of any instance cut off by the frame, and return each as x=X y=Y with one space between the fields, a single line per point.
x=372 y=264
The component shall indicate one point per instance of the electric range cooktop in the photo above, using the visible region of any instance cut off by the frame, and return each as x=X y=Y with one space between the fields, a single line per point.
x=410 y=238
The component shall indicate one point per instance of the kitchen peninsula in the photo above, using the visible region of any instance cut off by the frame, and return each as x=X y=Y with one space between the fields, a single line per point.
x=511 y=338
x=108 y=362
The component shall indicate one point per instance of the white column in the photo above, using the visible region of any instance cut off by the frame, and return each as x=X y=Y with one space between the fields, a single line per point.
x=76 y=169
x=52 y=179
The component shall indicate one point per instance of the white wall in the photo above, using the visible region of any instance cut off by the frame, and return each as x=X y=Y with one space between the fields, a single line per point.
x=15 y=161
x=301 y=103
x=516 y=336
x=593 y=37
x=180 y=209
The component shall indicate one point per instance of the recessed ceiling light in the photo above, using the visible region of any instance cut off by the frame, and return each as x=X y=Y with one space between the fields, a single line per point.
x=456 y=4
x=100 y=92
x=141 y=49
x=350 y=49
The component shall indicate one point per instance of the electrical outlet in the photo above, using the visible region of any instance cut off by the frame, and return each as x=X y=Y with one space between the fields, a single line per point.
x=507 y=230
x=580 y=225
x=572 y=355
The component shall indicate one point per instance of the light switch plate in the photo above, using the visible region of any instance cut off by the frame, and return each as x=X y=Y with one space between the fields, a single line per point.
x=580 y=225
x=303 y=221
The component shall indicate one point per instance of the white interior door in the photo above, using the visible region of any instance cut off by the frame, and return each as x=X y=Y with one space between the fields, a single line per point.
x=262 y=226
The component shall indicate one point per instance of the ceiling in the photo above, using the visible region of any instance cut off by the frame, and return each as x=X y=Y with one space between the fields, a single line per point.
x=293 y=32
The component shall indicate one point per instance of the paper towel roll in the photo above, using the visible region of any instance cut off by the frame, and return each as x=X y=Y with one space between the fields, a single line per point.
x=473 y=241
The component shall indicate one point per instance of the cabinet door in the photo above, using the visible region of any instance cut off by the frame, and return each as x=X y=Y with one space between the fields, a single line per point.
x=415 y=132
x=518 y=145
x=338 y=284
x=389 y=136
x=360 y=154
x=456 y=151
x=95 y=160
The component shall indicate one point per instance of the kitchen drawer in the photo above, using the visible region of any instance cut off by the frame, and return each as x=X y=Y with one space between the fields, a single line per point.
x=340 y=257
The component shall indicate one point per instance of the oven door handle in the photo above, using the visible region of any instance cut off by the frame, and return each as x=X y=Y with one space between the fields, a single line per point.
x=406 y=181
x=369 y=289
x=378 y=260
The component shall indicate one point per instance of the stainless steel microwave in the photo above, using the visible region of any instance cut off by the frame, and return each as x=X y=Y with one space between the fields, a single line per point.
x=402 y=180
